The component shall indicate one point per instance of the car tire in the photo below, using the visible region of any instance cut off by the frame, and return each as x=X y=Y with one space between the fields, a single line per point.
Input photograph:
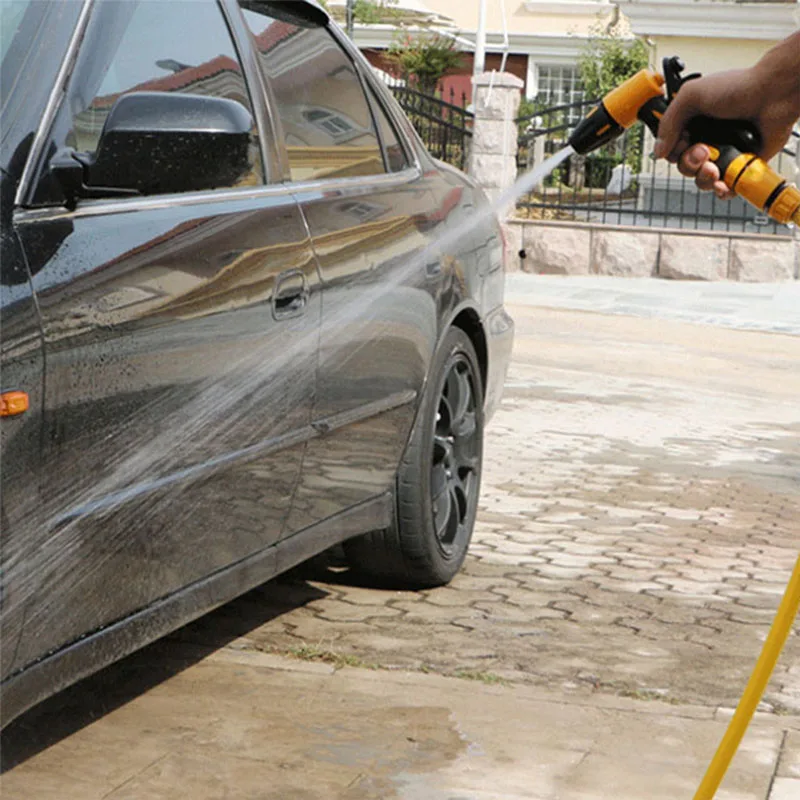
x=438 y=481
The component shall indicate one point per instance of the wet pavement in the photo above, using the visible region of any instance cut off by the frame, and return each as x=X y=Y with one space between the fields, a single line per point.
x=639 y=520
x=772 y=307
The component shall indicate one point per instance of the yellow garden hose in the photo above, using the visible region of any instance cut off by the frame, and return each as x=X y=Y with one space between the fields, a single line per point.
x=776 y=639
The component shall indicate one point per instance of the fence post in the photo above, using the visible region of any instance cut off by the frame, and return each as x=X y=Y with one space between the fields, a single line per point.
x=493 y=155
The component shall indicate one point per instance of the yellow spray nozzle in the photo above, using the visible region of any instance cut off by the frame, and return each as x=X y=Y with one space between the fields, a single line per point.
x=618 y=110
x=733 y=143
x=625 y=102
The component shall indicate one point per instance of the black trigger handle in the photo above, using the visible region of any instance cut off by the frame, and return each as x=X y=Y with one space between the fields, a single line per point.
x=739 y=133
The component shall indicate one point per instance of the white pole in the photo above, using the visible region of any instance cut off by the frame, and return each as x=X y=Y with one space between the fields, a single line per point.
x=480 y=40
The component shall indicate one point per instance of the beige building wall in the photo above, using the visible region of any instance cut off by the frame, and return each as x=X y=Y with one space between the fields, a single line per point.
x=560 y=17
x=711 y=55
x=712 y=35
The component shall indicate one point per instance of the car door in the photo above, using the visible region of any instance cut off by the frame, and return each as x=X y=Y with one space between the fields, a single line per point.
x=21 y=383
x=367 y=206
x=180 y=333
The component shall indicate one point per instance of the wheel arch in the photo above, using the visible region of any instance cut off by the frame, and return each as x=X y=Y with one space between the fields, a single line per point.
x=469 y=321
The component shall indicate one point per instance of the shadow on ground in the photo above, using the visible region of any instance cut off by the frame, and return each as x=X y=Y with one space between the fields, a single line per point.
x=95 y=696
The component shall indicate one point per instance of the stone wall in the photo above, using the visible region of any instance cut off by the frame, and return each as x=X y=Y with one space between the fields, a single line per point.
x=575 y=248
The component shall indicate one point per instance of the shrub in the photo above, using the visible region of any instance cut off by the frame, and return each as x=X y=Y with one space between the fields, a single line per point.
x=423 y=60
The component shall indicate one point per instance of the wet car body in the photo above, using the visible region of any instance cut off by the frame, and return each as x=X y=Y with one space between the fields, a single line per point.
x=222 y=377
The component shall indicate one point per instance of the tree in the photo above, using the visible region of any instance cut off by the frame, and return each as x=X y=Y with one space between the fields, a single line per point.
x=424 y=59
x=611 y=57
x=608 y=59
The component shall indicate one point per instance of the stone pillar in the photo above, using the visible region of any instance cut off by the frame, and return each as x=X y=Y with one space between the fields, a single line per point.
x=493 y=155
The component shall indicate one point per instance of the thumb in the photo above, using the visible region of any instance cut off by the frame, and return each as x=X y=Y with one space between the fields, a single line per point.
x=680 y=111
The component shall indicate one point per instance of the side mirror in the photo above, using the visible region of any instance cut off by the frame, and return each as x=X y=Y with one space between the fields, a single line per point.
x=161 y=142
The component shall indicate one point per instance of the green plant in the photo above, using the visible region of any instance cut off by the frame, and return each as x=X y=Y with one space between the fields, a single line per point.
x=366 y=12
x=372 y=12
x=306 y=652
x=608 y=59
x=528 y=108
x=423 y=60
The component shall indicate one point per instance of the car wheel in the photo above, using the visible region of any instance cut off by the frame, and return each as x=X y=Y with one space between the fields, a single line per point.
x=438 y=482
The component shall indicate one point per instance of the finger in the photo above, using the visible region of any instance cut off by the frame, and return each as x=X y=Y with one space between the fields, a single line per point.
x=675 y=156
x=707 y=177
x=722 y=191
x=680 y=111
x=694 y=159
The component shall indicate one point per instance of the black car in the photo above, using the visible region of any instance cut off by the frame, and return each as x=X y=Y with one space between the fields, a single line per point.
x=232 y=333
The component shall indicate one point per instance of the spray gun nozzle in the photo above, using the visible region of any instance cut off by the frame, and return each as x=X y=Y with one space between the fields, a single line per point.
x=618 y=110
x=733 y=143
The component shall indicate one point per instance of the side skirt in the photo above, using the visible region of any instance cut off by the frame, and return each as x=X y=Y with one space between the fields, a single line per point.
x=97 y=650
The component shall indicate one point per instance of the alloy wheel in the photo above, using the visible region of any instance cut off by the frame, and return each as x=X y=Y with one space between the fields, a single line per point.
x=456 y=454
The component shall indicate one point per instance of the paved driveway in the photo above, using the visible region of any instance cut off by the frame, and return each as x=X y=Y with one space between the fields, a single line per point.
x=772 y=307
x=639 y=521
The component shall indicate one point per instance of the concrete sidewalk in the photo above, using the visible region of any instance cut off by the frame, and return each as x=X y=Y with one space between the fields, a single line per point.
x=286 y=729
x=772 y=307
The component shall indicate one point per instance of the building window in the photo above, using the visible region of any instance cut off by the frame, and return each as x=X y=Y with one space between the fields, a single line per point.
x=559 y=85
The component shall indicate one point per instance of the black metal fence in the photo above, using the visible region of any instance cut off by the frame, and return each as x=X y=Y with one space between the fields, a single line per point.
x=793 y=145
x=621 y=184
x=445 y=127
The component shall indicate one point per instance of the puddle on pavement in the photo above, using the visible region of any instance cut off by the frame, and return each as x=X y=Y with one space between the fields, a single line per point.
x=397 y=748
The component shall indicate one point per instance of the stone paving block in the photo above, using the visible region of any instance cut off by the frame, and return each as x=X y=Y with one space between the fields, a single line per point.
x=367 y=597
x=579 y=561
x=307 y=629
x=478 y=584
x=338 y=611
x=785 y=789
x=552 y=571
x=425 y=612
x=525 y=597
x=454 y=597
x=513 y=560
x=510 y=547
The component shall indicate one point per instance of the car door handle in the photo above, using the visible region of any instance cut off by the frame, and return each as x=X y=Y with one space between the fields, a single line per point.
x=290 y=297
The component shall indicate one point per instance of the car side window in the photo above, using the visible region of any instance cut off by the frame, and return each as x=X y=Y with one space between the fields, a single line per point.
x=318 y=95
x=169 y=46
x=396 y=159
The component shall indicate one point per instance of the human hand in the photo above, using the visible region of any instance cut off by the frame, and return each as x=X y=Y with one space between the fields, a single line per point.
x=767 y=94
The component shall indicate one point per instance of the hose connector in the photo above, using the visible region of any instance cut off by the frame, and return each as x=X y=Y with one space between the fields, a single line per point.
x=785 y=207
x=758 y=183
